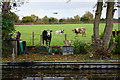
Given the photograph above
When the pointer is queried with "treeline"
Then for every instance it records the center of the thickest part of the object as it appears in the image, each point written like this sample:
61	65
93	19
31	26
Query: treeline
86	18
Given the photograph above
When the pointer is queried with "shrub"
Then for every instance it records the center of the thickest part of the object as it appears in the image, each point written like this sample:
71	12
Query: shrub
80	47
7	28
117	48
116	39
6	52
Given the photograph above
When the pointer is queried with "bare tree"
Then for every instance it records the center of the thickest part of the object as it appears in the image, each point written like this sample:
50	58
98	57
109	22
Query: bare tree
96	22
102	45
109	24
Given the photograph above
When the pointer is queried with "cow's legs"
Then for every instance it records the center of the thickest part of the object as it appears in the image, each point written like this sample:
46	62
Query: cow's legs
85	34
46	43
49	43
76	35
43	42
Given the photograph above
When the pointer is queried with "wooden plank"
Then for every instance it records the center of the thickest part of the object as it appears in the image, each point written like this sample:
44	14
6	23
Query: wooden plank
67	43
41	40
64	64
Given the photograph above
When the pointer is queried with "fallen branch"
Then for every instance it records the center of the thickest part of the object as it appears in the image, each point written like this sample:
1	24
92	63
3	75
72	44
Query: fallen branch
112	47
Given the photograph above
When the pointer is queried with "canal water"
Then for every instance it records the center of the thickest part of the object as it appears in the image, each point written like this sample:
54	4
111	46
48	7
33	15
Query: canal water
60	74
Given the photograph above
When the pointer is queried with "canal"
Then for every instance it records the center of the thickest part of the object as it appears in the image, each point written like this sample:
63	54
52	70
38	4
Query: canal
59	74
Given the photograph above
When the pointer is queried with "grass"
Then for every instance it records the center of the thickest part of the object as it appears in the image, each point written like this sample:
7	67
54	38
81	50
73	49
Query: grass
57	39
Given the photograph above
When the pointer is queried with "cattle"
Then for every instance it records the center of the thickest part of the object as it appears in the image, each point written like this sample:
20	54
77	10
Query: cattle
115	33
80	30
59	32
46	35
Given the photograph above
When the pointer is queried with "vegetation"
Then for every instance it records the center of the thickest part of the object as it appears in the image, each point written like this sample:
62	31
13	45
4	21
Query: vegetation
31	18
86	18
8	19
7	27
117	48
80	47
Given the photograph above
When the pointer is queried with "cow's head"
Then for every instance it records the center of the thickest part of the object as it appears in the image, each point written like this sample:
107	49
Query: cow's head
49	33
62	30
73	30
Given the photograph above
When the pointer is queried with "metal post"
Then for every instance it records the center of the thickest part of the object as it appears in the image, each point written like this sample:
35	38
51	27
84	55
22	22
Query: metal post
13	55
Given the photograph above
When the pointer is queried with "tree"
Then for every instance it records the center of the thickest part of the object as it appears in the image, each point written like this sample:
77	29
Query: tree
96	23
62	20
14	16
34	17
8	23
27	19
102	46
56	20
77	18
53	20
87	17
5	9
70	20
45	19
109	24
9	17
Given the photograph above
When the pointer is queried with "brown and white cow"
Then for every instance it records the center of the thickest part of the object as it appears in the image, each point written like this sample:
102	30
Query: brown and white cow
80	30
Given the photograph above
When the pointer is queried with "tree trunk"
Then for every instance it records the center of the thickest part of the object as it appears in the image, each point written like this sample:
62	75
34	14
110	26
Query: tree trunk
96	23
112	47
5	12
5	9
109	24
97	19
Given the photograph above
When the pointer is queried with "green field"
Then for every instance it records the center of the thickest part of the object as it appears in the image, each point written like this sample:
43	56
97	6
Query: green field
57	39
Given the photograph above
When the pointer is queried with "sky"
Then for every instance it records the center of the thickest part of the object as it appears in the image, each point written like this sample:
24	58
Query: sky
64	8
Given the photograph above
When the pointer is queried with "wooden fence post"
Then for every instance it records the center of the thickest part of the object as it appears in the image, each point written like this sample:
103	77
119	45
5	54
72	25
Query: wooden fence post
33	38
65	37
41	40
66	42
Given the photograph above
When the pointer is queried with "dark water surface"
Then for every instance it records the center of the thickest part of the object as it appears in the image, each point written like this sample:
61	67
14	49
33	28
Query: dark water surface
60	74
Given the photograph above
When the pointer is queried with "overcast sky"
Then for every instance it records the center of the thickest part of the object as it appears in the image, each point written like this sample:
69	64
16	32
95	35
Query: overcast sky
43	8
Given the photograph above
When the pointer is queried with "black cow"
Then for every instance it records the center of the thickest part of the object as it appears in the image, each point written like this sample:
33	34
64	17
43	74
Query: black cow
115	33
46	34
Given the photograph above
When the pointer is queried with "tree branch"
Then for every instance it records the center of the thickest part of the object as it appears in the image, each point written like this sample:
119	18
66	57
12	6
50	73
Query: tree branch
112	47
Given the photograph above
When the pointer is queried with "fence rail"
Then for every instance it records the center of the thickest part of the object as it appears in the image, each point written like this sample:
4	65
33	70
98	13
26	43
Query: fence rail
63	64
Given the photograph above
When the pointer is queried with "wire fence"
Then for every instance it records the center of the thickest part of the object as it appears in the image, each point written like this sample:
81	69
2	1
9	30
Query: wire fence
56	40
